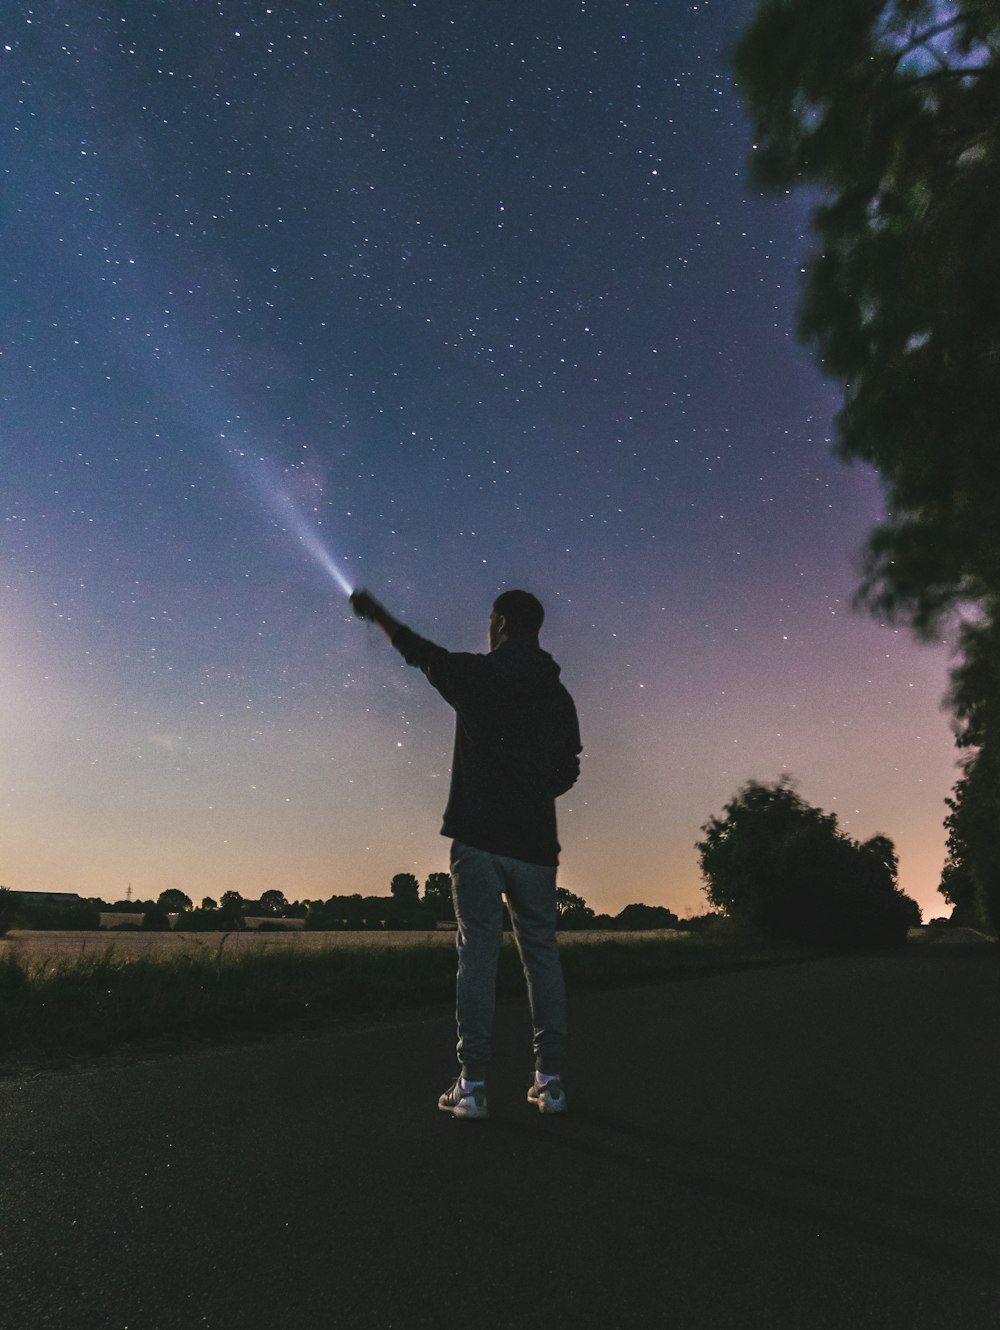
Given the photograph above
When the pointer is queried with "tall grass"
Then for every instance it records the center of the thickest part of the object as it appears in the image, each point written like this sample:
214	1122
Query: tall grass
103	1000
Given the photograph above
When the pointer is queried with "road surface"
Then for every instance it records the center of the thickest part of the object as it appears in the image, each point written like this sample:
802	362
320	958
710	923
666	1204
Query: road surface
805	1147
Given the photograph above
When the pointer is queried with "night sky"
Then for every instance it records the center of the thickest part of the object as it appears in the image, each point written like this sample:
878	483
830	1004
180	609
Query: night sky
479	292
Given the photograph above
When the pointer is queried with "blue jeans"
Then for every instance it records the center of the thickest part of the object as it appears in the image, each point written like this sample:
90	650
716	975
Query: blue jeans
478	880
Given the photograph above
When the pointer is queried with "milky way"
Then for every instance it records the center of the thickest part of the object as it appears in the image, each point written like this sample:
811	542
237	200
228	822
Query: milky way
483	291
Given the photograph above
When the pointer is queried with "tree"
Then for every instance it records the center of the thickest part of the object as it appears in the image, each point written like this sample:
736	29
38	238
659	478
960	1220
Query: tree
971	876
231	906
273	902
155	920
173	901
970	880
204	920
321	918
638	917
572	911
405	889
891	109
437	896
208	903
9	901
404	907
778	865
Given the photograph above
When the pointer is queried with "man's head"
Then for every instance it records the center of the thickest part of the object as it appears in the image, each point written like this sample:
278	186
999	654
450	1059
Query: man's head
517	615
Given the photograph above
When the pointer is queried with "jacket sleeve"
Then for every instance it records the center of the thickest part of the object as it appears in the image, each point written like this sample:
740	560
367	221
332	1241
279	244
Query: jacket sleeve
452	673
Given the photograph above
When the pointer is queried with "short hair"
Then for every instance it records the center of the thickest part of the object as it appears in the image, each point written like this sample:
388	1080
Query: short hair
521	609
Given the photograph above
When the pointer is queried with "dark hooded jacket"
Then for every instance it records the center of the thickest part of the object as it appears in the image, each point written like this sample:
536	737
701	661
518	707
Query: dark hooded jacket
517	744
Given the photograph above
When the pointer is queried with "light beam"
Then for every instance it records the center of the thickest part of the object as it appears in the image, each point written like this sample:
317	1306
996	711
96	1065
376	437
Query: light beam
276	498
307	535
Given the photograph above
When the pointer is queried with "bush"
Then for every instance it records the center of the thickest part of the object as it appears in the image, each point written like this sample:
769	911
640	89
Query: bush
638	917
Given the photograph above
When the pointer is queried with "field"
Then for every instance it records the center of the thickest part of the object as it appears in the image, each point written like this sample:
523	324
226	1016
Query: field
43	944
73	994
40	944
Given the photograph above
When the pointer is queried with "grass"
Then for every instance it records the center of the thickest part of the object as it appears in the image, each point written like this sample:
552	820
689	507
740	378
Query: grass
58	1007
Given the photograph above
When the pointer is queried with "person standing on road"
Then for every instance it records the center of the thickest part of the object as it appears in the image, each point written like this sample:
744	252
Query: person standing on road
517	747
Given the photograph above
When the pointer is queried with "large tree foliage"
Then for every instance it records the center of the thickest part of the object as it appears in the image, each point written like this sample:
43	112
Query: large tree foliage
776	864
890	111
971	877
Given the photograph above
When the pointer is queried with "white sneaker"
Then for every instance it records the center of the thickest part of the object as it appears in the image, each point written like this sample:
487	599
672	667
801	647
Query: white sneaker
549	1098
464	1103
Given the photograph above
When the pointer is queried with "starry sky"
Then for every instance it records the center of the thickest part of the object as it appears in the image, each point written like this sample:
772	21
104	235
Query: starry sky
449	296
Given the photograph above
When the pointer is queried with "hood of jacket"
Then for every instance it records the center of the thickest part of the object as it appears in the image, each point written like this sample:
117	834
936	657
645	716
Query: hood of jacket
524	669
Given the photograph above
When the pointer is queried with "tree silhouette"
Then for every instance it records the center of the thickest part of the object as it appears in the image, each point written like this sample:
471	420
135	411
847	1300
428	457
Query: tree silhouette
173	901
970	880
231	905
572	911
776	864
273	902
155	920
639	916
9	901
437	896
405	889
891	110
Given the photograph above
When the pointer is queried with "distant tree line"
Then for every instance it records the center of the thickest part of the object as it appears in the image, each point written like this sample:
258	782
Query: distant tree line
18	913
773	866
405	907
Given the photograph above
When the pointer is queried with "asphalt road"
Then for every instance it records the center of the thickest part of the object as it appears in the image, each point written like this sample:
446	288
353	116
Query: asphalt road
804	1147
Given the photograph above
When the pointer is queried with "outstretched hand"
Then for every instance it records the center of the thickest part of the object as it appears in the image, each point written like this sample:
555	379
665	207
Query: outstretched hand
364	605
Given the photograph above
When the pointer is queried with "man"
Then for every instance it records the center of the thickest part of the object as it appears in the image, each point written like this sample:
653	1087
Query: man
517	746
